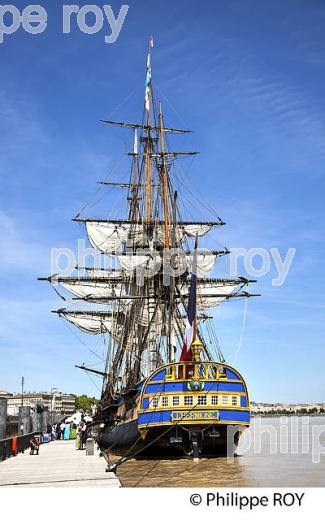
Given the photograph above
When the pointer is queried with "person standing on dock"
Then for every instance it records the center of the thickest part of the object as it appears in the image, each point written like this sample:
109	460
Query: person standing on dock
62	430
66	435
78	437
83	435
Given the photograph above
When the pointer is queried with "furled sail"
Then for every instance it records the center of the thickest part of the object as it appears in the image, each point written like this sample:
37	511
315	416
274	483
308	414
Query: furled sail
91	322
108	236
212	292
131	262
183	230
204	264
95	322
97	272
183	262
92	289
211	295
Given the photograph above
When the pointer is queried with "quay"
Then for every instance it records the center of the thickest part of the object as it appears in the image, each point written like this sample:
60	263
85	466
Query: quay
58	464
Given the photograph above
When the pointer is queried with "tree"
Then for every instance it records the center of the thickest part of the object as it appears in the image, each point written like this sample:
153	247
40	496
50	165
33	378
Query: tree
84	402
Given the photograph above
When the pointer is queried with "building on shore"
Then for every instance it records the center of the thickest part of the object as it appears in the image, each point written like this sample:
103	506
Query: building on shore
277	408
60	403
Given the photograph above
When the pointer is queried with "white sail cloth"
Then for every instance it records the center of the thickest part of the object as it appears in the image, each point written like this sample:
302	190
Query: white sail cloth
183	230
96	272
108	237
93	323
205	262
131	262
207	295
183	262
97	324
210	294
89	323
88	289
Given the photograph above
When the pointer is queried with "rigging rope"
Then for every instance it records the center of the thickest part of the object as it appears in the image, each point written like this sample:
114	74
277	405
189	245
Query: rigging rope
122	103
91	200
82	342
242	331
91	379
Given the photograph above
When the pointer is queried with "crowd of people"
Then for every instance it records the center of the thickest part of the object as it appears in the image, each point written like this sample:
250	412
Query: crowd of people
70	430
75	427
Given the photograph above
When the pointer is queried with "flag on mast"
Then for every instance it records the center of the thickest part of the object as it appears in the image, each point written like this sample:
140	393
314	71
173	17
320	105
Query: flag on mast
190	329
148	77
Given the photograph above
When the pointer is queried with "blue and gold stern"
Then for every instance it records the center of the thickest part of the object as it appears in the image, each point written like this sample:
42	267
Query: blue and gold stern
189	394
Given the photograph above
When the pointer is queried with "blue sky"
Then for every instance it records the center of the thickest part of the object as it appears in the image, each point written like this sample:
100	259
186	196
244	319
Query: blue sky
248	77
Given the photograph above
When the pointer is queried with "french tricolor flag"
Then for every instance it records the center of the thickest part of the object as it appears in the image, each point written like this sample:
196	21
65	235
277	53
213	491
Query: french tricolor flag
190	330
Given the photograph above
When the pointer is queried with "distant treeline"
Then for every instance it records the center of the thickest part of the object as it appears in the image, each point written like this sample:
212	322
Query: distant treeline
84	402
300	411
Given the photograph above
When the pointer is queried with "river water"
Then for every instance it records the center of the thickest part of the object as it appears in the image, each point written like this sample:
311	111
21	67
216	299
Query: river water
273	452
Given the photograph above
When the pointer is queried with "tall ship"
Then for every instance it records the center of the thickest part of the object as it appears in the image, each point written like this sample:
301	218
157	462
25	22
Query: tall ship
166	386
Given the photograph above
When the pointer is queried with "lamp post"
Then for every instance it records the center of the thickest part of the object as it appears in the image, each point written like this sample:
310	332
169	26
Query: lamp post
53	390
22	390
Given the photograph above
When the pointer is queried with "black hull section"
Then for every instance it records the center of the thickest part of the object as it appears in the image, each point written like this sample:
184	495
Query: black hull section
161	441
119	439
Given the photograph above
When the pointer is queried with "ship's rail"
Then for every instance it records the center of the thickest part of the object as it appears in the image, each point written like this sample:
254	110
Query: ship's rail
17	444
190	370
204	370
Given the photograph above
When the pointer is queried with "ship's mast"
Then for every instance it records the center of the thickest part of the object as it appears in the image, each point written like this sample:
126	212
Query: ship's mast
148	145
134	199
145	320
171	324
164	176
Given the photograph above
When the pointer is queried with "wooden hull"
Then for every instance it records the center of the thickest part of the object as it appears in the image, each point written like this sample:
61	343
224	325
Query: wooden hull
162	441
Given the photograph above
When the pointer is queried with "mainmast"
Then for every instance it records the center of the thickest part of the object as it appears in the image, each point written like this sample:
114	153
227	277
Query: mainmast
164	176
171	321
148	145
134	199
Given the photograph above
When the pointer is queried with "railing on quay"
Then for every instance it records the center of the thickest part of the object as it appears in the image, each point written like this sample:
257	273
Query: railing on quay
14	445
